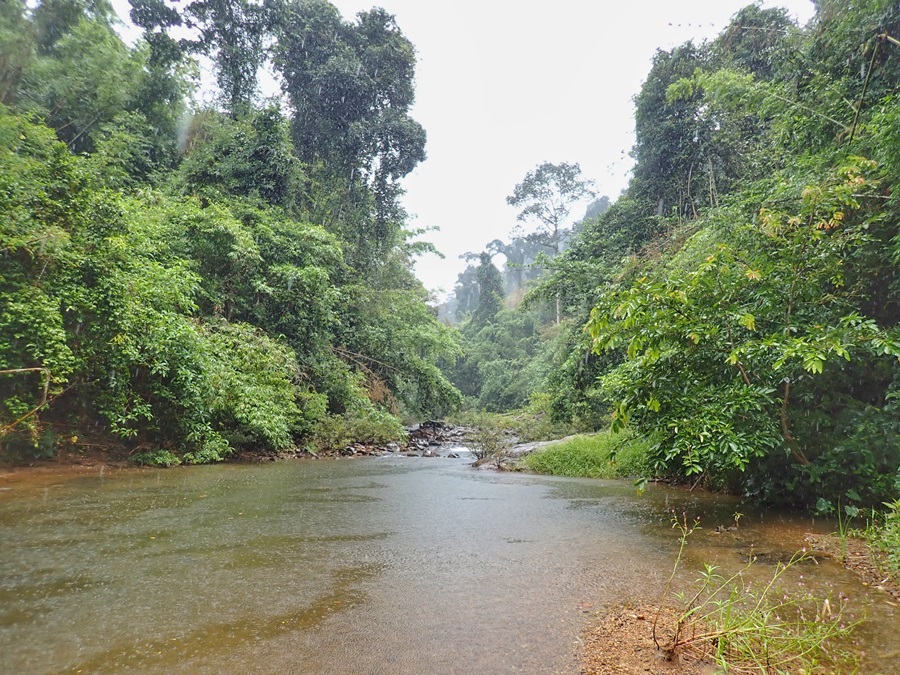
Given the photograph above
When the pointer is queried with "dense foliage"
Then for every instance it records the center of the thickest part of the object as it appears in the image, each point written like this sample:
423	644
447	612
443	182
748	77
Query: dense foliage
169	276
195	280
761	345
737	304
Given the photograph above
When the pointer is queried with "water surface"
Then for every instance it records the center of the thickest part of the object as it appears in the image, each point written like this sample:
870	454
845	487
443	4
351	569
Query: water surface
363	566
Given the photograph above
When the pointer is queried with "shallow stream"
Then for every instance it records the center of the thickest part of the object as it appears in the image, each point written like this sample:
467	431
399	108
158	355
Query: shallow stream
393	565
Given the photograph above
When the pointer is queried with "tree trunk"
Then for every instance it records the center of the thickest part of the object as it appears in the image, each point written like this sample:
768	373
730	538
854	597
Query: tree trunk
558	290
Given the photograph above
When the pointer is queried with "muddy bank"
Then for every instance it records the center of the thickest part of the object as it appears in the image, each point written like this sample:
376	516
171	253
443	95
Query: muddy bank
856	556
622	644
70	460
427	439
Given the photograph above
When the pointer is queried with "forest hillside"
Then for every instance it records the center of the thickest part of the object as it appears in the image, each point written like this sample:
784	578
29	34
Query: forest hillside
737	306
195	280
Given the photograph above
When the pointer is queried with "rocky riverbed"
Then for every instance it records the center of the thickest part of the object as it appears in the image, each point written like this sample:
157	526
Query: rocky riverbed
430	439
427	439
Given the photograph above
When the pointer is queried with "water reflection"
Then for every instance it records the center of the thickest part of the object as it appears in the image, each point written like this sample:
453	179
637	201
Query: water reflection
171	653
394	566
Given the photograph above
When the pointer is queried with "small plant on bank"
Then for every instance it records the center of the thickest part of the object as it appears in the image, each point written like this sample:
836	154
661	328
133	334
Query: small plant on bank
686	529
160	457
844	513
489	442
883	538
371	426
747	626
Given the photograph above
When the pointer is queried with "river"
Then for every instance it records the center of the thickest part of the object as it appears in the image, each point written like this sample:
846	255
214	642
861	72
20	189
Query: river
392	565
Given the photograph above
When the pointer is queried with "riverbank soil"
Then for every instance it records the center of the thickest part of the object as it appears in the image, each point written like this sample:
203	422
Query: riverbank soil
70	457
623	641
856	556
623	645
65	465
427	439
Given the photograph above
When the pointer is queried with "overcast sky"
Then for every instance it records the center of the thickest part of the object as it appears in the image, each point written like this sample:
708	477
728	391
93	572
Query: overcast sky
502	86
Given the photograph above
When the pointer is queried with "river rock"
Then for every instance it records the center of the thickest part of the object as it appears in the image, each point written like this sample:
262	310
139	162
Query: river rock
434	434
522	449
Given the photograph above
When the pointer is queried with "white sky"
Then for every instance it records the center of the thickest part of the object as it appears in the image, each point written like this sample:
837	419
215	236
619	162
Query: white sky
502	86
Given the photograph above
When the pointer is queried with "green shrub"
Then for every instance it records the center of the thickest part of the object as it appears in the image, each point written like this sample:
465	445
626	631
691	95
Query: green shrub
890	537
535	422
490	439
367	425
156	458
28	442
603	455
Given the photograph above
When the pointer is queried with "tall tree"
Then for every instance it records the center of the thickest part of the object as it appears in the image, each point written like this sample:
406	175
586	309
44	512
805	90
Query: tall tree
16	47
54	19
490	291
667	151
546	196
351	86
230	32
756	41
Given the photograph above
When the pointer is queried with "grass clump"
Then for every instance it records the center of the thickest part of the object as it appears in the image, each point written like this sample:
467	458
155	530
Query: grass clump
883	538
749	622
757	627
601	455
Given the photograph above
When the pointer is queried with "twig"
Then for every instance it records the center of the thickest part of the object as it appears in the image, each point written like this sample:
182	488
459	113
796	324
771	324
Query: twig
44	401
885	36
863	94
354	356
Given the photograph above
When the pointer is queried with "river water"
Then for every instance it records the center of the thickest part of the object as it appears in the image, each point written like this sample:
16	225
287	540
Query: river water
393	565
